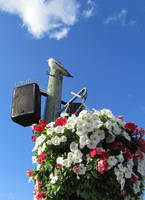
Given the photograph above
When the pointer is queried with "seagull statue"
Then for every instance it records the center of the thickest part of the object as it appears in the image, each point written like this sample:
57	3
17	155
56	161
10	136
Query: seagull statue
53	64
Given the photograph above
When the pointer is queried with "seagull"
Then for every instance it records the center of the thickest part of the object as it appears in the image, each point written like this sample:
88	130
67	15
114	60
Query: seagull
57	65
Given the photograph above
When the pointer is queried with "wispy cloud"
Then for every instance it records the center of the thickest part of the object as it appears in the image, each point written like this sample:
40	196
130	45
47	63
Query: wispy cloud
90	10
52	17
121	18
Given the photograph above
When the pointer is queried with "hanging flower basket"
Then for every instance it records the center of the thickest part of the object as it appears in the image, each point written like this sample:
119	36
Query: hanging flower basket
94	156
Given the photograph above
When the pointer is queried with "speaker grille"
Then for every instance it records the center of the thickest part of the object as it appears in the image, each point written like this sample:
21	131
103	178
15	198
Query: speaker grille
26	104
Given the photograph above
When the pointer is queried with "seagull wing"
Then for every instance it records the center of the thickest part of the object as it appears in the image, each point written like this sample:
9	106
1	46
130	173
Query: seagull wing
64	71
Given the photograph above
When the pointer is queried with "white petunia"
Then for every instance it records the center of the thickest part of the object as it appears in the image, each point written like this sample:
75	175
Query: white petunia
59	160
66	163
59	129
53	178
112	161
81	169
84	140
63	138
125	135
34	159
56	140
73	146
77	157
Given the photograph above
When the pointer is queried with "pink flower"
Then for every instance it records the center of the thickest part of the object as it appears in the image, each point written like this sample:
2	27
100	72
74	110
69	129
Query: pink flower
61	121
131	127
142	132
120	117
41	195
30	173
33	138
42	157
102	166
75	169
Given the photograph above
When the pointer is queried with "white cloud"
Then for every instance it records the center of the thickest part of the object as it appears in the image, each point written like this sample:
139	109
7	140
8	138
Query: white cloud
41	16
52	17
90	9
121	18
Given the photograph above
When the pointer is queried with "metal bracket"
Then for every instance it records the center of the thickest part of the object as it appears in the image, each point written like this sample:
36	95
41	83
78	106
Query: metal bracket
81	94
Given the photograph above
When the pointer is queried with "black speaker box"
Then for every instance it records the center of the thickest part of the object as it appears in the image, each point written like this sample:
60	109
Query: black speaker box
26	104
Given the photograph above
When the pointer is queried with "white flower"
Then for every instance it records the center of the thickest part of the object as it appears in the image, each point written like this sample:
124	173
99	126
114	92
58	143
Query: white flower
95	138
59	160
38	167
141	166
73	146
64	114
110	139
66	163
84	140
59	129
56	140
49	142
116	129
112	161
92	144
34	159
107	112
81	169
125	134
51	124
88	157
120	157
53	178
50	131
136	187
63	138
70	156
77	157
128	172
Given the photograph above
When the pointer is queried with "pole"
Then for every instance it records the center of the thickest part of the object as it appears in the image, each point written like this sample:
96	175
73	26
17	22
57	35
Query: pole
54	91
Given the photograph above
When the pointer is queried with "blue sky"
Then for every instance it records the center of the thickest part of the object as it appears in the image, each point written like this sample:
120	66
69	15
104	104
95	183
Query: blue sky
102	43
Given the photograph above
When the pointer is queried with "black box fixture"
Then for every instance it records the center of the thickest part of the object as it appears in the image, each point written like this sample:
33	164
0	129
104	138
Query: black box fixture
26	104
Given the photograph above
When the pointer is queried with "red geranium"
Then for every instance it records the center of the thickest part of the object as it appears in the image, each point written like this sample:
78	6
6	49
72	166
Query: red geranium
58	165
30	173
41	195
120	117
133	178
142	144
131	127
93	152
127	154
113	145
40	128
42	157
33	138
102	166
61	121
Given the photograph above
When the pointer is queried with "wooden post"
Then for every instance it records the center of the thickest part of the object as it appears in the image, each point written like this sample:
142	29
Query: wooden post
54	91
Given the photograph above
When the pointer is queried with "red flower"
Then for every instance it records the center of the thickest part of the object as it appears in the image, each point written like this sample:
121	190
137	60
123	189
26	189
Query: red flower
41	195
120	117
40	128
127	154
33	138
58	165
42	157
131	127
139	154
142	144
61	121
113	145
93	152
133	178
30	173
102	166
142	132
75	169
123	192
